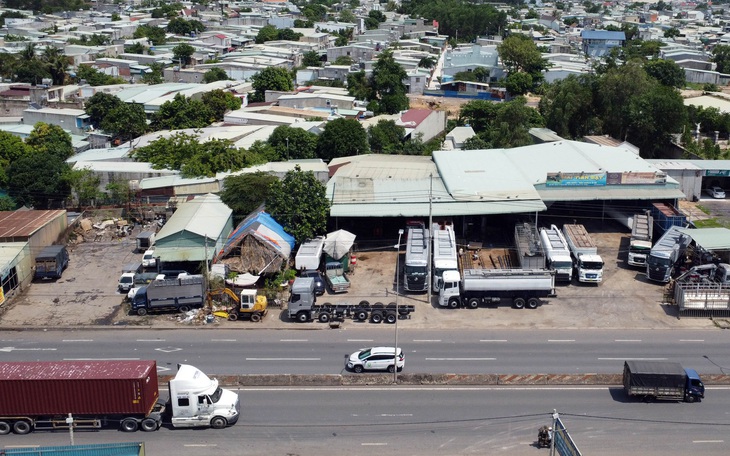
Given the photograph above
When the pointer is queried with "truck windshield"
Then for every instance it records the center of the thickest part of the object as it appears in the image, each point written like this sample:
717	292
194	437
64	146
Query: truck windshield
654	261
592	265
562	264
639	249
415	270
216	396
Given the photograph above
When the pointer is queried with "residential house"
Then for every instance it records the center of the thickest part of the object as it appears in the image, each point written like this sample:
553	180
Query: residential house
75	121
598	43
470	57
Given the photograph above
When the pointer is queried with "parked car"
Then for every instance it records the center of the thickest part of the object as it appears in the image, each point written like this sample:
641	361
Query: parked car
716	192
375	358
148	259
319	284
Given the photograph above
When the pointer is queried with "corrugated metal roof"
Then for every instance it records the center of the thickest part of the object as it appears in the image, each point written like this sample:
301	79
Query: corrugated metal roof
122	167
203	215
105	154
709	238
22	224
674	164
9	252
172	254
602	35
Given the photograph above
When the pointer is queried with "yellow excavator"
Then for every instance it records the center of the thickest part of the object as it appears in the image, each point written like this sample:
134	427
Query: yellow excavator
249	305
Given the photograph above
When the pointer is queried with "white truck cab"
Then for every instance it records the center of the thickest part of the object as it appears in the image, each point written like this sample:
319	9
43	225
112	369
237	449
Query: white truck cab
198	401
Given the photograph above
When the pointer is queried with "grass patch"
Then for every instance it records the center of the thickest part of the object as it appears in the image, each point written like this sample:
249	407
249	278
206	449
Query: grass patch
712	223
703	209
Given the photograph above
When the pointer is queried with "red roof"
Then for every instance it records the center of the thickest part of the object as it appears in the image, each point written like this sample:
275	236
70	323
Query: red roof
415	115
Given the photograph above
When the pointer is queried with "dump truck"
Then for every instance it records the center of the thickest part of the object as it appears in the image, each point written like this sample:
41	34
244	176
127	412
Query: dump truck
107	393
335	277
557	253
51	262
524	287
586	260
248	305
662	380
302	307
182	293
445	257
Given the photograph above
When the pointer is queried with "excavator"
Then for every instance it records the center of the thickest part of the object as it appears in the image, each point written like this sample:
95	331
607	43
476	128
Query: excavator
249	305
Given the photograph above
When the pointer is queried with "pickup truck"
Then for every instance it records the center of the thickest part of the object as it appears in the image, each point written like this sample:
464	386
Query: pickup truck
335	276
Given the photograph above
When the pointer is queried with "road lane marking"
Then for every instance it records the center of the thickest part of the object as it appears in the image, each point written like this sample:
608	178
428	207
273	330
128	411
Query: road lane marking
390	389
10	349
396	414
632	359
101	359
492	340
77	340
627	340
293	340
561	340
222	340
708	441
150	340
201	445
283	359
426	340
691	340
460	359
359	340
373	444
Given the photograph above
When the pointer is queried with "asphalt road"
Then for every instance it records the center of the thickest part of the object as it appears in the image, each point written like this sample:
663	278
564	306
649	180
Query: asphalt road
437	421
237	352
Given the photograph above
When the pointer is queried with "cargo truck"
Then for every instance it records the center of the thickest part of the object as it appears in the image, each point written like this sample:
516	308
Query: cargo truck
667	254
557	253
50	262
703	288
182	294
302	307
145	240
415	272
444	254
586	260
524	287
662	380
100	393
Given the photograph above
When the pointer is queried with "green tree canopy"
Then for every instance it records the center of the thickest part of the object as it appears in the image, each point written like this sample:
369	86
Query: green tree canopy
244	193
125	121
341	138
181	112
39	180
387	84
11	149
84	185
94	77
99	106
721	56
520	54
50	140
156	35
667	72
180	26
299	203
466	19
220	102
215	74
311	59
570	106
267	33
271	78
183	53
518	83
386	137
293	143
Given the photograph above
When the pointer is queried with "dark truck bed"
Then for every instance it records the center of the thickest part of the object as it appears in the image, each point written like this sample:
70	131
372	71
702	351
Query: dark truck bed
660	379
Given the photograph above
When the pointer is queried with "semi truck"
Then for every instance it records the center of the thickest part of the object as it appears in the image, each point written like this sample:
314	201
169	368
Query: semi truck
529	247
586	260
524	287
444	254
662	380
703	288
666	254
557	253
415	274
50	262
641	225
309	255
302	307
102	393
182	294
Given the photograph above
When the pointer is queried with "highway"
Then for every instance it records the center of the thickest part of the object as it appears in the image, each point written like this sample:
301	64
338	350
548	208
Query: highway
436	421
251	351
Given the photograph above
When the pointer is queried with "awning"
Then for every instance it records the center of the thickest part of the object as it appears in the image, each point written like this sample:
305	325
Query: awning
709	238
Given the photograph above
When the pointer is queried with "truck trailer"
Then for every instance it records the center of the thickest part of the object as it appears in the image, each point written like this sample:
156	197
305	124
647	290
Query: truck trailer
529	248
662	380
666	254
182	294
309	255
588	263
415	272
445	257
100	393
481	286
50	262
642	232
557	253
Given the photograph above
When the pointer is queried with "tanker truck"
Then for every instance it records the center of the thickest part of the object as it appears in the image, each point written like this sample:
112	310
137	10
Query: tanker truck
482	286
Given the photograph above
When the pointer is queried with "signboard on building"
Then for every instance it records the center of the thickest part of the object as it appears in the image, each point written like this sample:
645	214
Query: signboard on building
635	178
575	179
717	172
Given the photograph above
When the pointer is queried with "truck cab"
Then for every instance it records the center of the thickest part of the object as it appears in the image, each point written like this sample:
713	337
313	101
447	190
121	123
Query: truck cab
695	389
198	401
302	299
589	268
449	291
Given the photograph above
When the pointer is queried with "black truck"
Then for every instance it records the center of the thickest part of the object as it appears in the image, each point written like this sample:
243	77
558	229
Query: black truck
662	380
50	262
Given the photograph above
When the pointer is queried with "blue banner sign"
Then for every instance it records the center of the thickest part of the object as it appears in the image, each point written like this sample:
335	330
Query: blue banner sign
564	445
575	179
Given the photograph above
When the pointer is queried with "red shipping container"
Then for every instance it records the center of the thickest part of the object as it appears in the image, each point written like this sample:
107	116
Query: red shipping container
94	388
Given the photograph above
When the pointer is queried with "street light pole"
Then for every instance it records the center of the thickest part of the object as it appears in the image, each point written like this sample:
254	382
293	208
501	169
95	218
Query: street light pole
397	315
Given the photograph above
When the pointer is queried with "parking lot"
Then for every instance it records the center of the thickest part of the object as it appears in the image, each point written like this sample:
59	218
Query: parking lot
86	296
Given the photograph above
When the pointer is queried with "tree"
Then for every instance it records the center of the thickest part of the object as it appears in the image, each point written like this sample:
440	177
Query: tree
341	138
181	112
287	34
667	72
267	33
38	180
519	53
50	140
479	114
311	59
154	75
271	78
93	77
616	90
427	62
293	143
180	26
386	137
387	84
156	35
99	106
299	203
518	83
653	117
672	32
244	193
570	106
220	102
721	56
136	48
125	121
56	63
215	74
84	185
11	149
343	60
346	15
358	86
183	53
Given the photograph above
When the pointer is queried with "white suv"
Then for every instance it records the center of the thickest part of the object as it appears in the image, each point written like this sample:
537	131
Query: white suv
375	358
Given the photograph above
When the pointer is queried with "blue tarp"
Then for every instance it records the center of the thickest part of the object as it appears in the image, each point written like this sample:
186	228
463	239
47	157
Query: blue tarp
99	449
264	228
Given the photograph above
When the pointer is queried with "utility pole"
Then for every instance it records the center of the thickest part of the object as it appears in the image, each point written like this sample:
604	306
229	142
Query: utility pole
429	267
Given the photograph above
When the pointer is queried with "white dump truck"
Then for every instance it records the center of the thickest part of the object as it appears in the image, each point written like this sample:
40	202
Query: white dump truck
524	287
557	253
586	260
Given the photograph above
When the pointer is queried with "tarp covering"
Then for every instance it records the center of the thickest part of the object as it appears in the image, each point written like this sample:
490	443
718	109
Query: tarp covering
338	243
257	245
654	374
709	238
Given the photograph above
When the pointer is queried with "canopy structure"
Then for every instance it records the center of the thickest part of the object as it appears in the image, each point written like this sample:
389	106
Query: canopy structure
338	243
710	238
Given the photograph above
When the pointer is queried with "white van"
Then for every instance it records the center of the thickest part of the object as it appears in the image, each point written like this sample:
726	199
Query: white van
148	259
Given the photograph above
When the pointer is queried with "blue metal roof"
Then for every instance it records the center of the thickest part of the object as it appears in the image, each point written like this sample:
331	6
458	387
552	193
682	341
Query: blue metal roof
602	35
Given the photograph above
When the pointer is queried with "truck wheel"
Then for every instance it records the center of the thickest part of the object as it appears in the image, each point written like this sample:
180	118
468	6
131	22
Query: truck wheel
21	427
376	317
324	317
690	398
473	303
184	309
129	425
518	303
533	303
364	304
453	303
5	428
256	317
390	318
218	422
148	425
302	317
141	311
361	315
232	316
358	369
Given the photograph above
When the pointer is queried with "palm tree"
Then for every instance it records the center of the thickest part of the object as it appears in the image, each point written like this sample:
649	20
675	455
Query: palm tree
57	63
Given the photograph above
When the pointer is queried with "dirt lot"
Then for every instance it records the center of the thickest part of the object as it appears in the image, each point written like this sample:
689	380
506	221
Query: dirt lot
86	296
